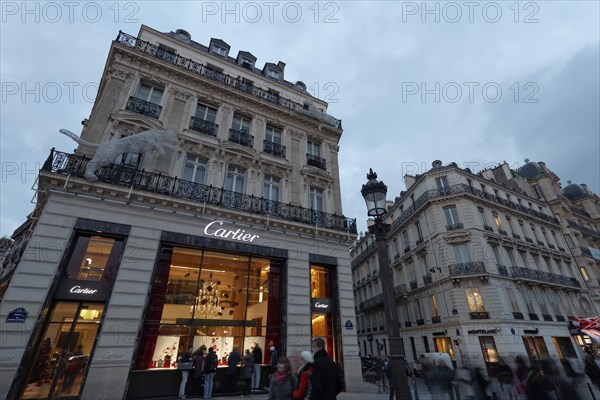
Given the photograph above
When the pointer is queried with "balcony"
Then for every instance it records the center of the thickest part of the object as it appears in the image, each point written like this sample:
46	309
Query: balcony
562	249
583	228
381	327
427	279
364	254
406	249
470	268
543	276
133	179
436	320
547	317
419	242
559	318
516	236
420	322
502	232
372	302
400	291
502	270
551	246
528	240
241	137
229	81
518	315
413	284
201	125
480	315
143	107
540	243
488	228
407	324
454	227
533	317
274	148
315	161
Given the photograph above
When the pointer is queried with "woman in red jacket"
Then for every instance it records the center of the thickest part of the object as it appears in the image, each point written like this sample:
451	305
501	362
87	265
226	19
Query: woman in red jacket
304	374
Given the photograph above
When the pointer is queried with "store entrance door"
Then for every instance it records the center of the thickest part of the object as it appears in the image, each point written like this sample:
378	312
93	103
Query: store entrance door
64	352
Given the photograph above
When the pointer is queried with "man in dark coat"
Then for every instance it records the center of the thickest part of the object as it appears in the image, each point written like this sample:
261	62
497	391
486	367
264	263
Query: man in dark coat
325	376
257	355
232	370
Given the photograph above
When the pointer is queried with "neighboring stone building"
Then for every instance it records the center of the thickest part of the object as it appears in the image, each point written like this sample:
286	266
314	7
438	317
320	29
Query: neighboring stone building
481	267
236	238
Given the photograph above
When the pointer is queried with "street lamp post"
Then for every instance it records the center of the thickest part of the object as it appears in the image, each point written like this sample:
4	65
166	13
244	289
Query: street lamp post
374	193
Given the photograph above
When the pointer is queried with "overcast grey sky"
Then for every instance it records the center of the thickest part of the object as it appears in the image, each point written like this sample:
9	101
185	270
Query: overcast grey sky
476	83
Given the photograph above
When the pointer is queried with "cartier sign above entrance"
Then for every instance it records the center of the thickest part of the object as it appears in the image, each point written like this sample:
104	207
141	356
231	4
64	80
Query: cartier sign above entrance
214	229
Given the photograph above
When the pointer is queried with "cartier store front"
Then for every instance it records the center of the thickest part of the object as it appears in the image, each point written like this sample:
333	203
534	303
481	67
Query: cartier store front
66	337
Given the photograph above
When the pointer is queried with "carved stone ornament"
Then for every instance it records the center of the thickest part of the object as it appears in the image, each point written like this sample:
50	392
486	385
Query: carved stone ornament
181	94
108	152
119	74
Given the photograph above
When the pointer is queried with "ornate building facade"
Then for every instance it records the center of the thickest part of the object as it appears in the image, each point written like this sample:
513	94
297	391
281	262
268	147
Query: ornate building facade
485	266
236	238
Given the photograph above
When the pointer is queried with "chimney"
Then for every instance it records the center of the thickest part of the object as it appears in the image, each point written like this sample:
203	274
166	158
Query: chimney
281	65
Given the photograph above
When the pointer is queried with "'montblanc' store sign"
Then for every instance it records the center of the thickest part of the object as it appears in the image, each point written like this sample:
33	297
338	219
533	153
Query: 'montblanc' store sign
212	229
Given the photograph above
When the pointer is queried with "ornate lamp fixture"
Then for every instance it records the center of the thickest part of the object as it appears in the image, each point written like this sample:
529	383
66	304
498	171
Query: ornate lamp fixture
207	303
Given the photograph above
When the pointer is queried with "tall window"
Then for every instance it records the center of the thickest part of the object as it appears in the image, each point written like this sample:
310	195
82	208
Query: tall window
434	306
451	214
497	220
541	301
206	113
235	179
482	216
441	182
510	224
510	295
461	253
195	169
271	73
511	255
533	231
488	348
95	258
241	124
149	93
474	300
219	50
271	188
418	229
527	299
584	273
273	135
313	148
315	199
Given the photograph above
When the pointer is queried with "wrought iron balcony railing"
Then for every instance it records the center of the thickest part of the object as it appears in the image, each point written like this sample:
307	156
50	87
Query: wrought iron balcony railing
315	161
75	165
201	125
502	270
547	317
480	315
533	317
407	324
364	254
528	239
400	291
436	320
224	79
518	315
540	243
583	228
406	249
488	228
241	137
516	236
543	276
413	284
143	107
465	189
420	321
502	232
427	279
559	318
469	268
454	226
274	148
372	302
419	241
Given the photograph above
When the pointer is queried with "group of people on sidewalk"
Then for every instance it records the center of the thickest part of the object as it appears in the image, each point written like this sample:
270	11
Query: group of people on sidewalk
318	378
530	379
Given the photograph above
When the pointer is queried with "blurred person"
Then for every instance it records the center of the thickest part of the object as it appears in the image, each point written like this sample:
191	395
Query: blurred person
246	372
445	377
199	369
258	359
326	383
304	375
283	381
232	370
210	369
187	357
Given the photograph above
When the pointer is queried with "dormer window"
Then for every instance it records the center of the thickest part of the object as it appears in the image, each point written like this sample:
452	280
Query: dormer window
246	63
219	50
271	73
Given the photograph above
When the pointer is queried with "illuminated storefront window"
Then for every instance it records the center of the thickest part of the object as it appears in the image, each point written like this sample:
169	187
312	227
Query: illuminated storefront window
322	306
210	298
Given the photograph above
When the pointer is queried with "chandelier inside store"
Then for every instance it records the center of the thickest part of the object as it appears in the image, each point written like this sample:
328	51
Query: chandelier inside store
207	303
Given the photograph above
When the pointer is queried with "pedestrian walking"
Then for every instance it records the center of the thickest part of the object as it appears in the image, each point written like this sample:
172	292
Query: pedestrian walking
273	358
283	381
304	374
445	378
326	378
